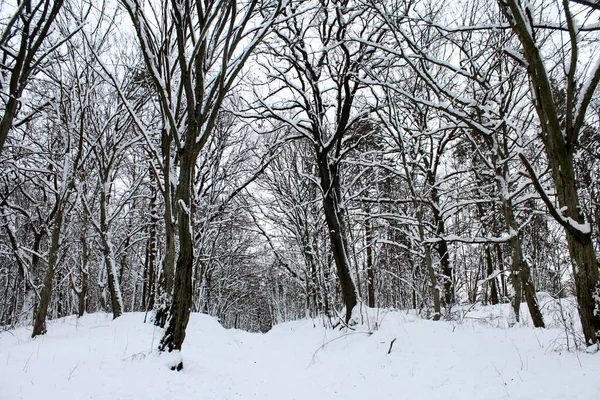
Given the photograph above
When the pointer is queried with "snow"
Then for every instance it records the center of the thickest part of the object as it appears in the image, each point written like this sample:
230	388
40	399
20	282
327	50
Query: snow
475	357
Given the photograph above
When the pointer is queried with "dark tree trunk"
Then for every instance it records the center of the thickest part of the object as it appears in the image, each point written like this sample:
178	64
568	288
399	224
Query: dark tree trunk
39	324
490	272
370	267
82	295
560	137
149	290
334	218
181	306
587	287
37	22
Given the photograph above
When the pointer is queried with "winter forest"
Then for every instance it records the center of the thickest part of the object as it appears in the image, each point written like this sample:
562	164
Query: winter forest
329	161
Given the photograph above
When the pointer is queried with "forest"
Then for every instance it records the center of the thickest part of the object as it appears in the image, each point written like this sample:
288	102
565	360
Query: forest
265	161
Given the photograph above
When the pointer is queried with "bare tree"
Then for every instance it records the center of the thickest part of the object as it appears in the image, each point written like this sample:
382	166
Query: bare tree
211	43
314	63
24	47
560	135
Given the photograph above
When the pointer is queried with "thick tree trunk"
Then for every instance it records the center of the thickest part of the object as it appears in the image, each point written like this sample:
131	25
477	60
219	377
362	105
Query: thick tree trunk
337	234
39	324
180	309
447	270
587	287
560	136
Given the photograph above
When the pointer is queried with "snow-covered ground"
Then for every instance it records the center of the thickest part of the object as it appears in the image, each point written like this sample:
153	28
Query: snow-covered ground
476	357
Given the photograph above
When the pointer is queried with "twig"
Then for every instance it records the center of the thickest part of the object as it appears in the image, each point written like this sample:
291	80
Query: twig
391	345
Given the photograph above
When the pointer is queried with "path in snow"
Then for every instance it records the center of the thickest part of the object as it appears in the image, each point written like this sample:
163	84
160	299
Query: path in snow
97	358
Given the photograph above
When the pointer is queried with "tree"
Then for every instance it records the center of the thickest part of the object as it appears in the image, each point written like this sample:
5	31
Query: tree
211	42
24	51
314	63
560	136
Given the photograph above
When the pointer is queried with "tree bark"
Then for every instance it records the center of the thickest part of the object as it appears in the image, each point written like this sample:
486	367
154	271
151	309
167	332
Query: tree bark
39	325
116	301
37	20
520	271
442	245
490	272
560	140
165	283
182	292
370	267
334	217
149	290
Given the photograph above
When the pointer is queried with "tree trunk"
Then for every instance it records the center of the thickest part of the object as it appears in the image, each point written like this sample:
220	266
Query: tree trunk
334	218
587	287
116	300
370	268
39	325
149	292
442	245
82	295
490	272
560	137
165	284
435	288
520	271
182	292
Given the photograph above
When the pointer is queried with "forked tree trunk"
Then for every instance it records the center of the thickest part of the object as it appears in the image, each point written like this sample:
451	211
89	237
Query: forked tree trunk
520	271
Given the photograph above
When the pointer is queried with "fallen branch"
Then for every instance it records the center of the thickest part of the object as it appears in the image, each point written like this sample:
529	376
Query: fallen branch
391	345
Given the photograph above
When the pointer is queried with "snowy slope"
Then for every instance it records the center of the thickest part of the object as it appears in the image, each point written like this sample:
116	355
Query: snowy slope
478	357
